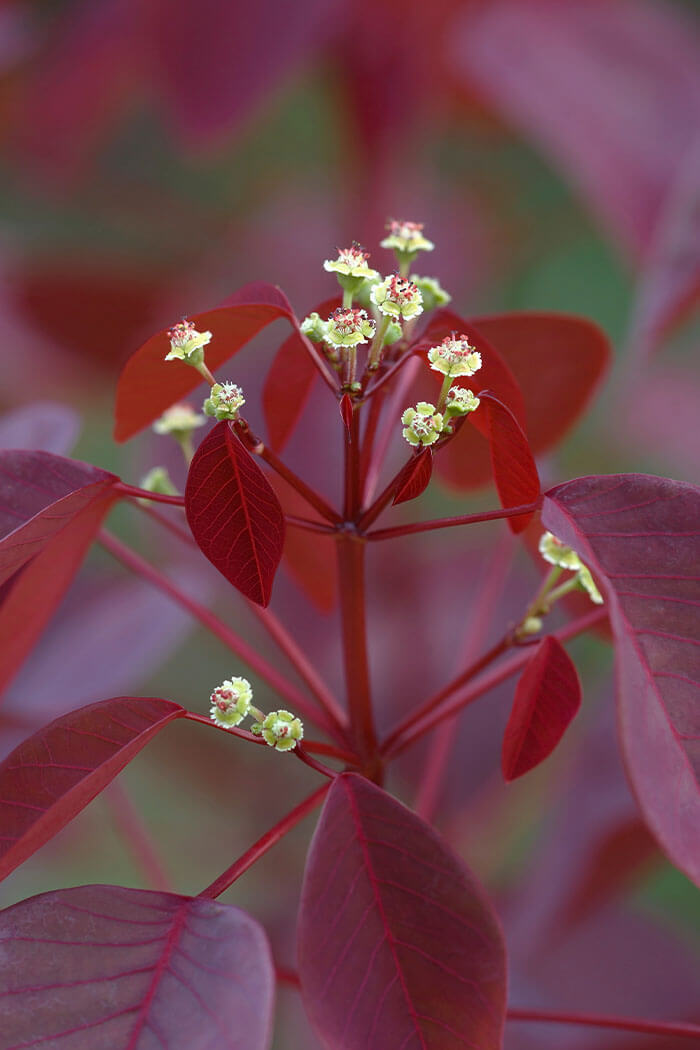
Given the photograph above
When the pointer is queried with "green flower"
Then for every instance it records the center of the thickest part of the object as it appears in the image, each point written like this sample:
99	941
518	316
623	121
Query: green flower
397	297
422	424
406	237
348	326
224	401
186	343
432	291
180	421
557	553
279	729
314	327
455	356
460	402
230	702
351	262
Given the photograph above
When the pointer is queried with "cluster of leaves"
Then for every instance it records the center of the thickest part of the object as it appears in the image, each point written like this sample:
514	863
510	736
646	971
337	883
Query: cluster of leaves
397	943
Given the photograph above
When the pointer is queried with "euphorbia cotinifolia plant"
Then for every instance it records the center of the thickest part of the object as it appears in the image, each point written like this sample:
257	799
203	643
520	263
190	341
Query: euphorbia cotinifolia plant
398	945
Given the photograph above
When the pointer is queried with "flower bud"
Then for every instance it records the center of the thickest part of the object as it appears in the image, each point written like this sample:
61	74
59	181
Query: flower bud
179	420
224	401
279	729
422	424
397	297
158	480
455	356
230	702
432	291
460	402
314	328
186	343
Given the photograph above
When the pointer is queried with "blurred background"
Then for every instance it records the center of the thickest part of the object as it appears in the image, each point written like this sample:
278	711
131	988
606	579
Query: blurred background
158	155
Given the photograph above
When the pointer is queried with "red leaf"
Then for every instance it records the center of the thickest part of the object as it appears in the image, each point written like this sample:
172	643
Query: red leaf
345	407
514	469
234	514
46	425
50	510
558	362
51	776
639	534
397	942
289	382
106	966
547	698
414	478
309	557
149	384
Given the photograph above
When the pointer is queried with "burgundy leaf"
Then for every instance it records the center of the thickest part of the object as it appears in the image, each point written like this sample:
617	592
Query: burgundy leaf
514	469
345	408
611	92
398	945
640	536
558	362
110	968
50	510
309	557
547	698
149	384
415	477
289	382
52	775
234	514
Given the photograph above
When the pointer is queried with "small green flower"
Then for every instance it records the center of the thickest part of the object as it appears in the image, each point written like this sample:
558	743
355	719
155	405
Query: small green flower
460	402
230	702
179	420
351	262
557	553
186	343
432	291
348	326
422	424
397	298
314	327
158	480
279	729
224	401
455	356
406	237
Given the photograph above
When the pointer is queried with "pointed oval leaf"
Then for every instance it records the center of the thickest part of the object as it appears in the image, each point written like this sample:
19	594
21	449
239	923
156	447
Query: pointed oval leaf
514	468
110	968
234	514
149	384
547	698
640	536
558	362
289	382
398	944
345	408
414	478
53	774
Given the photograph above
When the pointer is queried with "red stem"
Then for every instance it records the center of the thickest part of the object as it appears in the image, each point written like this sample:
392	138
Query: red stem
310	526
128	820
624	1024
266	842
301	753
157	497
394	402
166	523
411	729
391	372
373	512
286	976
351	575
237	645
242	734
319	747
448	523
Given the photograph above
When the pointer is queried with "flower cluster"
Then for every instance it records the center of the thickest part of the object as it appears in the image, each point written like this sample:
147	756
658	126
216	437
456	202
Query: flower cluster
186	343
279	729
422	424
231	702
348	326
455	356
406	237
557	553
224	401
397	297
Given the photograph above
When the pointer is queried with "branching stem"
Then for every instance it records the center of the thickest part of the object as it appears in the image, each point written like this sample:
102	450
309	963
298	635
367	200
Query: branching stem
623	1024
448	523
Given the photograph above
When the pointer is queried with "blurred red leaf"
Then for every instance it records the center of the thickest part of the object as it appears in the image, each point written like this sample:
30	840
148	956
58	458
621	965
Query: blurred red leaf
547	698
610	91
558	362
414	478
50	510
289	381
234	514
149	384
50	777
514	469
309	557
640	536
397	942
42	425
114	967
